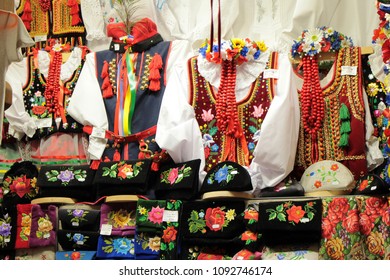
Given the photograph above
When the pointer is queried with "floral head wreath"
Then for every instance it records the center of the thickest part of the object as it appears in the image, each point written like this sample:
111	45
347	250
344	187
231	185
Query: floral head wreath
236	49
320	39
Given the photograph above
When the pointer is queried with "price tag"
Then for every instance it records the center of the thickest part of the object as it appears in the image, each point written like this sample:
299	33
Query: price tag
75	224
42	123
116	47
271	74
348	70
215	226
106	229
7	239
40	38
98	132
80	242
171	216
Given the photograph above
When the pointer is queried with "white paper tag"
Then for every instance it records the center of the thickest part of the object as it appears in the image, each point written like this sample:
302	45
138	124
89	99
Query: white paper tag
348	70
40	38
215	226
7	239
106	229
80	242
42	123
373	188
116	47
271	74
170	216
75	224
98	132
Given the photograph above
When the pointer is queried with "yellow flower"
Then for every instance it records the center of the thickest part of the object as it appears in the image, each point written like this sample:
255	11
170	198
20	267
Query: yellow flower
142	210
122	218
334	248
262	46
33	182
230	214
372	89
154	243
238	43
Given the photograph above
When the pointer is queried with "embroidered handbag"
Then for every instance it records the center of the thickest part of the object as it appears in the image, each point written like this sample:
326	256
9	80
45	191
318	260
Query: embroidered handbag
122	177
77	240
290	222
115	247
178	181
79	217
75	255
7	228
120	217
67	181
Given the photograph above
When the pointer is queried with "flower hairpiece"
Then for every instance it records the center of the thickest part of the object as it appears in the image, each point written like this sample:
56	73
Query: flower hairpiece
320	39
241	50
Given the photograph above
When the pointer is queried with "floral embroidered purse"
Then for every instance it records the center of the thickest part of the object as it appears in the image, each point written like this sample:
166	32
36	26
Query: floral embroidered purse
43	226
178	181
290	222
74	181
119	217
7	228
78	227
115	247
371	184
122	177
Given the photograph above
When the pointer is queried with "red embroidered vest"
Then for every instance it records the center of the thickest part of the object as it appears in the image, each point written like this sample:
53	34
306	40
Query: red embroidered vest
343	91
251	110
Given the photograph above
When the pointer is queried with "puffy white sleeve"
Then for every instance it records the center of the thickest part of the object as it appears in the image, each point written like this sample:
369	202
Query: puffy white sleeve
275	151
93	19
87	107
21	123
177	129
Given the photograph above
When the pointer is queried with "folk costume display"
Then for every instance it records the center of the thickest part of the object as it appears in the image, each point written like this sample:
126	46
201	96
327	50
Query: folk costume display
335	121
42	87
234	103
126	90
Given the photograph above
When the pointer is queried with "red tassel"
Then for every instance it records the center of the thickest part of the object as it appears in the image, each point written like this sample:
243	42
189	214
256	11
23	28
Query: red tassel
74	11
117	156
154	72
107	93
106	159
95	164
26	17
104	70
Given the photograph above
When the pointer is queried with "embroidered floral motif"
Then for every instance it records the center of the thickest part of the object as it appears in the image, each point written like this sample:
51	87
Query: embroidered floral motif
364	184
249	237
147	242
223	175
251	215
325	176
121	218
77	238
44	227
214	218
65	176
120	245
155	215
170	234
20	186
341	237
5	230
320	39
74	256
78	216
123	170
25	227
175	175
241	50
294	214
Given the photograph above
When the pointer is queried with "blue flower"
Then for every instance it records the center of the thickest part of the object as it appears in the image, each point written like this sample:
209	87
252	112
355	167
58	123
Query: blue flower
203	51
280	256
251	146
312	174
256	54
300	253
78	237
123	245
215	48
214	148
5	229
244	51
221	174
209	181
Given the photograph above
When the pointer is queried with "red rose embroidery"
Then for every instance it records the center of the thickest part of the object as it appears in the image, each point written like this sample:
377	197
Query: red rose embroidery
366	225
327	228
386	217
351	222
248	235
20	186
204	256
125	170
38	110
363	185
295	214
75	256
172	176
337	210
251	215
169	234
215	218
375	207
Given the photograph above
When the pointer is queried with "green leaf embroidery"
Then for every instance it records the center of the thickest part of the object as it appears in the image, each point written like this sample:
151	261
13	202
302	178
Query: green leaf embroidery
281	217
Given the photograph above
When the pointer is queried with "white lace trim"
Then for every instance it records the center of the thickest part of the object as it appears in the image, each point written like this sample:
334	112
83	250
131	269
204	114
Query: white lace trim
93	19
67	69
246	72
96	35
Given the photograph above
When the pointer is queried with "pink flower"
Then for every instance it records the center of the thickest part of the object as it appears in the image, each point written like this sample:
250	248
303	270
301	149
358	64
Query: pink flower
207	116
258	111
156	215
172	176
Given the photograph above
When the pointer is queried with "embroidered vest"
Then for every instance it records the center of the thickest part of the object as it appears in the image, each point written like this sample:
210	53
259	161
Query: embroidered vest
147	103
40	23
344	91
251	110
35	101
